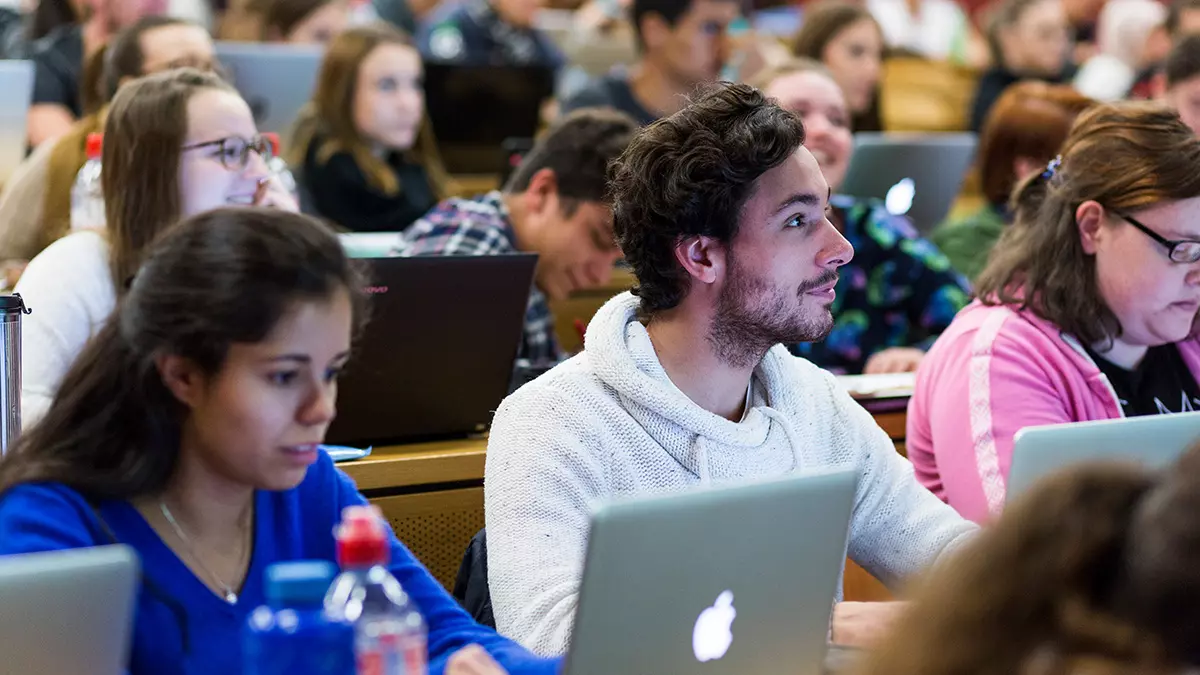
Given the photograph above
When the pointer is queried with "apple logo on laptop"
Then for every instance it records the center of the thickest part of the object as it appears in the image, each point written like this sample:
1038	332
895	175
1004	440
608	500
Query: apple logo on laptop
900	197
714	629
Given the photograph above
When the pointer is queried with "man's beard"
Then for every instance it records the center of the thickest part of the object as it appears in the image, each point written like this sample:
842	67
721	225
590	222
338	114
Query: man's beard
752	316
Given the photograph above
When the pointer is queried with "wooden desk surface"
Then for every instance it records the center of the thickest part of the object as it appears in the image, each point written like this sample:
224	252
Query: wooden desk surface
417	464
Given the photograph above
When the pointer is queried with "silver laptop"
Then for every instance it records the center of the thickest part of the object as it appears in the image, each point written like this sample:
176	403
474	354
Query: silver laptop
720	581
67	612
1153	441
916	175
16	80
276	80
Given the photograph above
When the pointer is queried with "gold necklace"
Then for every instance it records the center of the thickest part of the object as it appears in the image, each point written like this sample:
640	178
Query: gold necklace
230	596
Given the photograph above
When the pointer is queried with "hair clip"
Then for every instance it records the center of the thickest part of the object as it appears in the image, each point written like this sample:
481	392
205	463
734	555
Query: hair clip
1052	167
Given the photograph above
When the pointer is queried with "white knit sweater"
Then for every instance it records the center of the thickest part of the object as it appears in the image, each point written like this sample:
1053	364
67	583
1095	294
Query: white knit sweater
610	422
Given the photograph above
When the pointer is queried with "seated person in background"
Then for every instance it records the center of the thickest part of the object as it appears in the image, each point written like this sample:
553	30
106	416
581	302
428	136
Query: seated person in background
59	57
1182	20
553	205
898	293
683	43
721	213
1023	132
189	430
1029	39
175	144
490	33
1122	32
35	207
847	39
1086	311
363	147
302	21
1093	572
1182	74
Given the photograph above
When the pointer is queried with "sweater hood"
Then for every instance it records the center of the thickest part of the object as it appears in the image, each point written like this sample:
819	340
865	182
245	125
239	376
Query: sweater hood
621	355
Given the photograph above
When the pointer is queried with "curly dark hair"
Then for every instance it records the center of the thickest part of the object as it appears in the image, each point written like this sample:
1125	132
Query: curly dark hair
689	175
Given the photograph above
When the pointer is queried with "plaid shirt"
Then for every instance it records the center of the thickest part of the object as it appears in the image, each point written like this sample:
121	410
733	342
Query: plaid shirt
481	226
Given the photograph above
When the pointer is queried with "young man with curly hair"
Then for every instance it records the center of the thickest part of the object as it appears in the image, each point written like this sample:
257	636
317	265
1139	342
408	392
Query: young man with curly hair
722	215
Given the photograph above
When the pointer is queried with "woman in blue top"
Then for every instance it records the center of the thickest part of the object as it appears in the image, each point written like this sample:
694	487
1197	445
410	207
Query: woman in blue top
189	430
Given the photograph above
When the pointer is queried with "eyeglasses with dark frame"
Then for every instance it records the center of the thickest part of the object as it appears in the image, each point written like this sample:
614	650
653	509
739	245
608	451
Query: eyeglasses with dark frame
1180	251
234	151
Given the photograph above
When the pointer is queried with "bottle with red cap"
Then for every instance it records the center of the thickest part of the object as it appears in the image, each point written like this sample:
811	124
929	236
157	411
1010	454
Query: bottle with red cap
390	637
87	195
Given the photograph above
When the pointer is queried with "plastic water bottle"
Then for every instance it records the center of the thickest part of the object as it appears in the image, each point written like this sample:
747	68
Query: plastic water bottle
87	195
362	12
390	637
292	635
278	166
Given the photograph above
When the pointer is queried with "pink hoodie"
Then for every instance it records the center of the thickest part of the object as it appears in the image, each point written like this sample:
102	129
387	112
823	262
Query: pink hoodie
994	371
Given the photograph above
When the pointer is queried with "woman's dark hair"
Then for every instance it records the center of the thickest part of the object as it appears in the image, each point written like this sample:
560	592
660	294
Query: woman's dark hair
223	277
689	175
1125	156
1095	570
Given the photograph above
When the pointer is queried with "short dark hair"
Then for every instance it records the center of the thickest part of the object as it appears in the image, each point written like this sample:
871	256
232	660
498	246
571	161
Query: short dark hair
124	57
1175	11
671	11
1183	63
578	149
690	174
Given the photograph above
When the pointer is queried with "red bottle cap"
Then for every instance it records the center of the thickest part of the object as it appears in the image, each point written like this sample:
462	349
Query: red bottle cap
273	139
95	145
362	539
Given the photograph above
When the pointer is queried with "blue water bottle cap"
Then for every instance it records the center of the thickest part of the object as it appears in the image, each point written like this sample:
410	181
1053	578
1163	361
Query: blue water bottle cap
302	582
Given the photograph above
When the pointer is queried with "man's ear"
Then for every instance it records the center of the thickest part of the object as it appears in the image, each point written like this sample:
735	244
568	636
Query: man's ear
542	191
1089	218
181	377
703	258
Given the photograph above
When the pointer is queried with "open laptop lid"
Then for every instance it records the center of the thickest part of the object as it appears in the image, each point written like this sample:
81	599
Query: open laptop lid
436	358
1154	441
67	612
276	80
474	109
720	581
16	81
917	175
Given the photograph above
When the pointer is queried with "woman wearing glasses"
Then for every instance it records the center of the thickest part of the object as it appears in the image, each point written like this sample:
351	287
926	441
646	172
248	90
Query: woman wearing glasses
1087	308
175	144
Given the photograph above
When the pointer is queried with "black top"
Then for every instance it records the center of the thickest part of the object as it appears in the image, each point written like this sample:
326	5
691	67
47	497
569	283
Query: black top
57	67
995	81
472	34
1161	383
610	91
338	190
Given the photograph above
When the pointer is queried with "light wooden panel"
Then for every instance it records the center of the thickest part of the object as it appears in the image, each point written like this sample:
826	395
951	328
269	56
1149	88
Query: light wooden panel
436	526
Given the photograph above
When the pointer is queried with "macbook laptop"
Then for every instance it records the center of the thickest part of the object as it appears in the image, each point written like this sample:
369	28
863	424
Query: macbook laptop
276	80
16	78
718	581
916	175
474	109
437	357
1154	441
67	612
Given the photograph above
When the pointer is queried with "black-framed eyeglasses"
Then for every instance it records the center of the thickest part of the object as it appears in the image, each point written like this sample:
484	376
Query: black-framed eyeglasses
234	151
1180	251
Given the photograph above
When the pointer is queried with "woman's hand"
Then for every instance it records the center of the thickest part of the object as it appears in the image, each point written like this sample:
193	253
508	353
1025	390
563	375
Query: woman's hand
894	360
473	660
272	194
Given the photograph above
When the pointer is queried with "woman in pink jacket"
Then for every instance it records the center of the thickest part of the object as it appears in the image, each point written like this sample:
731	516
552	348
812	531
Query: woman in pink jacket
1087	309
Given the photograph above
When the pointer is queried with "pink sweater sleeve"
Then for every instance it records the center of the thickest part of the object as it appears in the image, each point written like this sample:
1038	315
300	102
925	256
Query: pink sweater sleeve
971	401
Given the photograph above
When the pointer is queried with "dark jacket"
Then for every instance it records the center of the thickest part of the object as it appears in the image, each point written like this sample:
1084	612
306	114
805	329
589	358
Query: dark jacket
338	191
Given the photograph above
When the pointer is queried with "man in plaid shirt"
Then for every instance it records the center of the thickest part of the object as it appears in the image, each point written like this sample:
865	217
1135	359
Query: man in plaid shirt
553	205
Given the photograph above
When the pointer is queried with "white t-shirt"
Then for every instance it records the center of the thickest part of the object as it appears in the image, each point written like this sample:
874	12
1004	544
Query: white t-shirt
70	291
937	31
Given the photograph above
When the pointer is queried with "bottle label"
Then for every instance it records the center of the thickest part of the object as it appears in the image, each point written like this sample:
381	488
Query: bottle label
389	654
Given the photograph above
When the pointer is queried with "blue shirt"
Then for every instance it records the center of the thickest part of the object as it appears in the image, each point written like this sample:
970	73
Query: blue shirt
181	626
